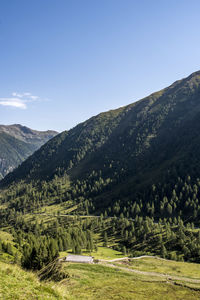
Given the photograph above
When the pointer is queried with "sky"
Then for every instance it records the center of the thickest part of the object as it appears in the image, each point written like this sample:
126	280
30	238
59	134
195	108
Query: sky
64	61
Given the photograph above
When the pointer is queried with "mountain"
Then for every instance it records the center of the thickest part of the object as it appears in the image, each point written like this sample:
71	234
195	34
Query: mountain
128	160
127	179
17	142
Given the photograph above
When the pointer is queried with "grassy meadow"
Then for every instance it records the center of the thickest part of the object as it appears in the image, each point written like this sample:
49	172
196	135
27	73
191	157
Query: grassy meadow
171	267
16	283
101	253
101	282
89	282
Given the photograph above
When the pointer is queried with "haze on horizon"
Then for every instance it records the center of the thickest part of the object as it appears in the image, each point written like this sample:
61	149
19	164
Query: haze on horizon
65	61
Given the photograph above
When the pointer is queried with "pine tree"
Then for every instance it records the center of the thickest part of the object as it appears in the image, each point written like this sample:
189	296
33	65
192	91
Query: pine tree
163	251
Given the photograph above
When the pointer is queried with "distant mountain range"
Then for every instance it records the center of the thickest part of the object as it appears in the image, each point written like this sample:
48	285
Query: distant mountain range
17	142
134	154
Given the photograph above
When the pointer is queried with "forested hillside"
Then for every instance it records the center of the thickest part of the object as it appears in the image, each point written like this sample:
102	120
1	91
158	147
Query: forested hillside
137	158
135	168
17	142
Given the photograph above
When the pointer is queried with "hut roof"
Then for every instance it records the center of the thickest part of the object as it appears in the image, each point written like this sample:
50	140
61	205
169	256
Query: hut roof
79	258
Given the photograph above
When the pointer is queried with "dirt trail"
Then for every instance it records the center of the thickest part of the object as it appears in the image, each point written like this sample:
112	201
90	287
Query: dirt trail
152	274
131	258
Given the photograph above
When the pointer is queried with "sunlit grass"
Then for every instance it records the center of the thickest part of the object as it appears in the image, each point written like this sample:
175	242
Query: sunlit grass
6	236
100	282
18	284
170	267
101	253
90	282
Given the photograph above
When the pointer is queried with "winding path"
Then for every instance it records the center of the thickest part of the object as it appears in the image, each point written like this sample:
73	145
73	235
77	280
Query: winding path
169	277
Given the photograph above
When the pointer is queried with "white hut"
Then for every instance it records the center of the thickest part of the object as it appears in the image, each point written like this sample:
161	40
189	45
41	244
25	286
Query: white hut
79	259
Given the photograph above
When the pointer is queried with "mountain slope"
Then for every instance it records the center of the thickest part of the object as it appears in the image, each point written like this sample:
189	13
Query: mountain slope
113	159
17	143
126	138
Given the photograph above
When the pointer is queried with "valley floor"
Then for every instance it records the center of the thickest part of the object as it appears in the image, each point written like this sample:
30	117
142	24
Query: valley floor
107	280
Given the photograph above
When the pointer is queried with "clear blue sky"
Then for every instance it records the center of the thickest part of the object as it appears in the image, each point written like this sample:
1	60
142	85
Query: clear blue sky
63	61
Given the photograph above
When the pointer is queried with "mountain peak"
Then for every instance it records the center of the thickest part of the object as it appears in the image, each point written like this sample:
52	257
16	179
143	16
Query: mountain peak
122	137
17	142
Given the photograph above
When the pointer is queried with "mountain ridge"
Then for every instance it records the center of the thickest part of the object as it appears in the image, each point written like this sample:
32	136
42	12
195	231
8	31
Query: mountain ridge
117	156
25	133
17	142
136	112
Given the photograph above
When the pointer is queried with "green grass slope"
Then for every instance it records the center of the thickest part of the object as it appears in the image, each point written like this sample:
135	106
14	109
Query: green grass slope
92	282
16	283
100	282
